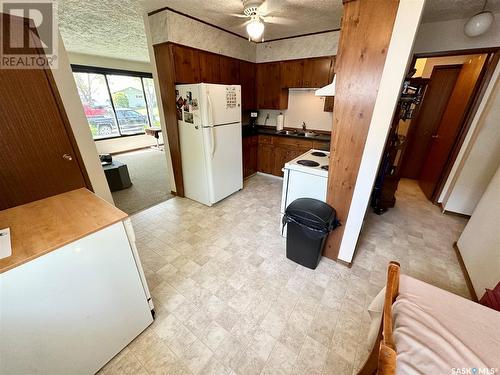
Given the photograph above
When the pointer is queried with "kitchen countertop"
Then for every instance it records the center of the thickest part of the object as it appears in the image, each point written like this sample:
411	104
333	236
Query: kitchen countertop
247	131
39	227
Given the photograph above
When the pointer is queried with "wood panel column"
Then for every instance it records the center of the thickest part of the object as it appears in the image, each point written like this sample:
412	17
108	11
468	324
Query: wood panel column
364	39
166	76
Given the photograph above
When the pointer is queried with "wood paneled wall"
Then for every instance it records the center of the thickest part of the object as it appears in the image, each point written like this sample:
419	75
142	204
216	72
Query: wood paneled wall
366	32
166	76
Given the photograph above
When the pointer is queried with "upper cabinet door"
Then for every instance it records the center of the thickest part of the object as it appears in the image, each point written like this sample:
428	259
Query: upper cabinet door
247	81
332	69
317	71
270	92
292	73
187	65
229	71
329	100
209	67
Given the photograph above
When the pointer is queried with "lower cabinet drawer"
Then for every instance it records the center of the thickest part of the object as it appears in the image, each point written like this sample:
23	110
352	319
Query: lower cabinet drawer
293	142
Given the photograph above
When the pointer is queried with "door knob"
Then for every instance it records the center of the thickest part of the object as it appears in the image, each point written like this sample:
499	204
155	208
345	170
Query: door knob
435	136
67	157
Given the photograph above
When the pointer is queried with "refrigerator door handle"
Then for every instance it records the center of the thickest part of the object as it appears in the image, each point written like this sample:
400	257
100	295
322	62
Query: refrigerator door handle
211	126
210	113
212	141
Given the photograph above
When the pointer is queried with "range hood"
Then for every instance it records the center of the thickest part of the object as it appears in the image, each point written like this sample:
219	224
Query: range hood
328	90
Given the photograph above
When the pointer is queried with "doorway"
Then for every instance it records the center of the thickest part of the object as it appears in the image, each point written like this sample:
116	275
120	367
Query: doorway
458	85
439	98
123	117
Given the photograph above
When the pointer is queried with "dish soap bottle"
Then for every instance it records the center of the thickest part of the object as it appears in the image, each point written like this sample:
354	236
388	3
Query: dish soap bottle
279	122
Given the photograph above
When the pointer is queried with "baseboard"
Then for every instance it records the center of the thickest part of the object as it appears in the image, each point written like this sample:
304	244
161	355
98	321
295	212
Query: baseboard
247	177
344	263
269	175
468	281
455	214
134	149
174	193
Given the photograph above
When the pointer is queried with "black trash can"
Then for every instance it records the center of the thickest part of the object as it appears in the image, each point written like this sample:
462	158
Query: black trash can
308	223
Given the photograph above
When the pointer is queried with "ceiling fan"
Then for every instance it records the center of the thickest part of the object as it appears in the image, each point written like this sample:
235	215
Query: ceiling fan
259	13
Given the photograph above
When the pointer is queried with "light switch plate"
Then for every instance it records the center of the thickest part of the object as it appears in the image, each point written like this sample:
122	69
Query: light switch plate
5	246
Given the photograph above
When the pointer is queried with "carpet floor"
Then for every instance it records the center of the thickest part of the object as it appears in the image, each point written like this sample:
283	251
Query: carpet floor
150	183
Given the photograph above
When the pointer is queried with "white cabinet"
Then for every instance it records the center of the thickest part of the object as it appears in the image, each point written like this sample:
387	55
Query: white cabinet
70	311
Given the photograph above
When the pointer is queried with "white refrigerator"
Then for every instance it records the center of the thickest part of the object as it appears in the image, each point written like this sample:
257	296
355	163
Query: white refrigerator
209	120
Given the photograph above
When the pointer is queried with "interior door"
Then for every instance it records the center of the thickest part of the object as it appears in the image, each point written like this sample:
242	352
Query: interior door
37	157
437	94
450	125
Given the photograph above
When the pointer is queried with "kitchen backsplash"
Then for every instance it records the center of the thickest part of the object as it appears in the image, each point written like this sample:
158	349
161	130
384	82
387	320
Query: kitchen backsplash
302	106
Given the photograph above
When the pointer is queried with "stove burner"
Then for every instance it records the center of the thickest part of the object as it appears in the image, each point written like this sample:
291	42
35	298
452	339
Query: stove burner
318	153
308	163
325	167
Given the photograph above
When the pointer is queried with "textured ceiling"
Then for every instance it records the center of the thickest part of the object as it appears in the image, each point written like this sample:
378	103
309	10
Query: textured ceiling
110	28
114	28
301	16
441	10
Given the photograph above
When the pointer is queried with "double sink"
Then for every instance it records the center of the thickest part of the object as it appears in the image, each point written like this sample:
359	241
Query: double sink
308	134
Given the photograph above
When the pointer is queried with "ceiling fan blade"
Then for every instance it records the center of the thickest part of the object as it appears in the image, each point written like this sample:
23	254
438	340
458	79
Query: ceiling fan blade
271	6
278	20
264	8
238	15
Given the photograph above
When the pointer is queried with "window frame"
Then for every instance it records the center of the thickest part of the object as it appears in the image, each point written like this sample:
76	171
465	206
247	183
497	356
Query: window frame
76	68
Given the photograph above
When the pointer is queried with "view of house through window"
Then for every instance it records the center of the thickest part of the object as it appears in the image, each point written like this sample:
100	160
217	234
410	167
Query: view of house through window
117	104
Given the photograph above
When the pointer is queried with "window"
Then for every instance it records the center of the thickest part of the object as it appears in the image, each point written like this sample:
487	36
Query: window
153	112
116	103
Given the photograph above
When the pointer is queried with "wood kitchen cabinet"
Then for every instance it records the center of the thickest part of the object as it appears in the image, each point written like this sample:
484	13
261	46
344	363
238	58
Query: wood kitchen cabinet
270	92
282	155
263	85
292	73
229	71
307	73
247	81
321	145
286	149
187	64
250	145
329	100
209	67
317	71
265	154
274	151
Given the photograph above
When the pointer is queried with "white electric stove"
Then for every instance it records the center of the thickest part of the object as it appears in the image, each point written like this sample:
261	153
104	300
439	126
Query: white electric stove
306	176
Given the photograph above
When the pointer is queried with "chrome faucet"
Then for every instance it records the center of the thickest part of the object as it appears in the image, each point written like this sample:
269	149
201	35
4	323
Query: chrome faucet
304	126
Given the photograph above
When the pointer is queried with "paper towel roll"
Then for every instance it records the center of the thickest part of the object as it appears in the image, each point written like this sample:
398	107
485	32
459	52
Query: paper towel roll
279	122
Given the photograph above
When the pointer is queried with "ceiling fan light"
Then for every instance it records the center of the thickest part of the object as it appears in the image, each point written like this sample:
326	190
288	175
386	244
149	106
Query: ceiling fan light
255	28
478	24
